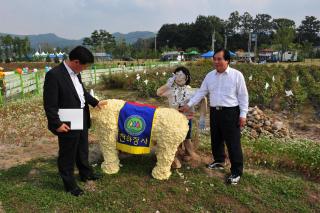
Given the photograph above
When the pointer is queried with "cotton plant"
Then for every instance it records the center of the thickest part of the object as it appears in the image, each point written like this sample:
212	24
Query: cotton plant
266	86
138	77
289	93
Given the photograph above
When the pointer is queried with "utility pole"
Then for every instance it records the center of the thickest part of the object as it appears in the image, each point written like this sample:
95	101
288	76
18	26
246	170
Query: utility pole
213	39
225	39
256	47
226	23
155	44
249	46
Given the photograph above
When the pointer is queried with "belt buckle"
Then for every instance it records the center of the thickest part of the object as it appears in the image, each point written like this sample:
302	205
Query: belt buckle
218	108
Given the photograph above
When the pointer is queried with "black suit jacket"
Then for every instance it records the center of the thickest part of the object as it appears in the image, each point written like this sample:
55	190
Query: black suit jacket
59	92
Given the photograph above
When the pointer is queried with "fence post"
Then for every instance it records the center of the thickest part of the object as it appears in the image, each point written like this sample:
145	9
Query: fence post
95	74
36	76
1	98
21	85
91	77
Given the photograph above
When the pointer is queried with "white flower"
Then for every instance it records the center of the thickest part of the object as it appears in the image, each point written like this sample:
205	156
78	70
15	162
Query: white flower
157	73
298	78
289	93
273	79
250	78
266	86
35	70
138	77
145	71
126	75
146	81
164	73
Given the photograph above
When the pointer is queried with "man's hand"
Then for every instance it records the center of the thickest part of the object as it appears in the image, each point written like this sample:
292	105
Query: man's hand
242	122
63	128
185	108
102	103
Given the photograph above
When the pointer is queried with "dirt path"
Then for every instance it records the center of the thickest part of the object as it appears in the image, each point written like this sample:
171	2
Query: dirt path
13	155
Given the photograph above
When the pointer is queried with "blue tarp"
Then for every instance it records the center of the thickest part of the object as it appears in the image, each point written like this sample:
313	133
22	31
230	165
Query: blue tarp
209	54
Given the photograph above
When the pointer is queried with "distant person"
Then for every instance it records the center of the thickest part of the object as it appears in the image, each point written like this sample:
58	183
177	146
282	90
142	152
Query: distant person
228	109
63	89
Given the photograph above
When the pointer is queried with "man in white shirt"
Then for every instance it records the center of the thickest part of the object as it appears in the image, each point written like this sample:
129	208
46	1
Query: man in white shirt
228	97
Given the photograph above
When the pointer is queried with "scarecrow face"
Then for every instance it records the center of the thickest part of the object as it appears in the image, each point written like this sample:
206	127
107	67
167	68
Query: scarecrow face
181	78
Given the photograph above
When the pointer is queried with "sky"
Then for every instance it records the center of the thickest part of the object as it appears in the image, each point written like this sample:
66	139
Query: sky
75	19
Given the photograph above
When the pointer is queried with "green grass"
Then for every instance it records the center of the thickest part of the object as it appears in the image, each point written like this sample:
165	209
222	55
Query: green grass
280	176
302	156
262	189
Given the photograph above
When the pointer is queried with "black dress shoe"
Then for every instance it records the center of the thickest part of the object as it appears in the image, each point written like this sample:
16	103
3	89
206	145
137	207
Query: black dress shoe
76	192
90	177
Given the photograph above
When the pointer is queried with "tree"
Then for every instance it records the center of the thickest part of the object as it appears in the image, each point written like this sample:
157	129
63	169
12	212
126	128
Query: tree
309	29
306	49
284	37
100	41
17	50
262	24
7	42
25	47
283	23
246	22
233	23
202	31
121	49
168	35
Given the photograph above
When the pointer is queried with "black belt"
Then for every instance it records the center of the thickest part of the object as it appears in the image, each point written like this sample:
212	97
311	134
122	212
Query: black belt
219	108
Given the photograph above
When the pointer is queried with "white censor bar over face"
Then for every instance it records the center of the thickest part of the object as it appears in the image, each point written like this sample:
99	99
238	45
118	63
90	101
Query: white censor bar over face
72	116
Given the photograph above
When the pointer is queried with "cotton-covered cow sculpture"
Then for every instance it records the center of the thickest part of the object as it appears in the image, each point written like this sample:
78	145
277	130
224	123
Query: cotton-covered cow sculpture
169	129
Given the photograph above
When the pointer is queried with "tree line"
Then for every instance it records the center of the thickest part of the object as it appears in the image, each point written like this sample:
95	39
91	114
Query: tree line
232	33
14	48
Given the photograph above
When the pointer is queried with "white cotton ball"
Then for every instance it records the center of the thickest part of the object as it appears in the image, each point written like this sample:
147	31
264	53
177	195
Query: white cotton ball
289	93
266	86
168	132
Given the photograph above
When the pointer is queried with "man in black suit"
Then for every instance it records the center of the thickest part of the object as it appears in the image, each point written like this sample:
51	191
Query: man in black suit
63	89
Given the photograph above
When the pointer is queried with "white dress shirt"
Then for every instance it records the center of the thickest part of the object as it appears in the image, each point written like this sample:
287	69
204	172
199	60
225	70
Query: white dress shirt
77	85
227	89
